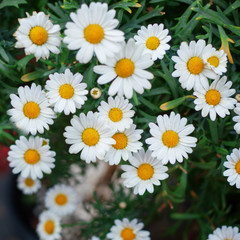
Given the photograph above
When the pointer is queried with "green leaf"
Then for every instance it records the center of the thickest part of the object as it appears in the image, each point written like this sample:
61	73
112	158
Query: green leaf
185	216
31	76
24	61
4	54
12	3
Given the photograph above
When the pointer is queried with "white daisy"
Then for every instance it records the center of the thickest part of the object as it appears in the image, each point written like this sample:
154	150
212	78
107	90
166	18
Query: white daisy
225	233
38	35
95	238
116	113
95	93
126	143
61	199
215	99
49	227
66	92
31	111
237	118
89	135
31	158
190	67
145	172
93	31
28	185
126	70
128	230
170	140
154	39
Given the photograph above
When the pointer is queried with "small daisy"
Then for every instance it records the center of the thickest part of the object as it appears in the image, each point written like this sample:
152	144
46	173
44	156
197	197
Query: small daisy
225	233
31	158
28	185
116	113
66	92
126	70
190	67
237	118
38	35
145	172
154	39
170	140
128	230
90	136
95	238
95	93
93	31
49	227
31	110
61	199
126	143
215	99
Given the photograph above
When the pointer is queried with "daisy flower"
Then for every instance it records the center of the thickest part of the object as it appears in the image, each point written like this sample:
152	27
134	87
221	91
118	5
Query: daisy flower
215	99
170	141
117	113
61	199
237	118
126	143
66	92
93	31
126	70
95	238
31	158
144	172
28	185
90	136
190	66
49	227
95	93
31	110
128	230
154	39
37	35
225	233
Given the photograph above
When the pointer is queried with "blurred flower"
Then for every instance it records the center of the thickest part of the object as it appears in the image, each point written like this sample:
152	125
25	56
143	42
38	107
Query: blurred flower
225	233
28	185
237	118
95	93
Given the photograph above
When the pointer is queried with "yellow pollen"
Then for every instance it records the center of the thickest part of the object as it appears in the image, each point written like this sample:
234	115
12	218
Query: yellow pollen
90	136
31	110
49	227
38	35
124	68
214	61
145	171
121	140
66	91
31	156
115	114
195	65
29	182
213	97
94	33
170	139
152	43
94	92
128	234
237	167
61	199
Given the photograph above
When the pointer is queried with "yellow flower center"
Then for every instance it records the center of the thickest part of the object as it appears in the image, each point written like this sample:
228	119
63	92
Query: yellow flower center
170	139
237	167
94	33
115	114
152	43
124	68
213	97
31	156
145	171
90	136
61	199
49	227
121	140
38	35
214	61
195	65
95	92
66	91
31	110
128	234
29	182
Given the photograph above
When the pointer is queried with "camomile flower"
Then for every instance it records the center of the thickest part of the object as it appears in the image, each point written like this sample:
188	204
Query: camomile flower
31	158
237	118
95	238
154	39
190	66
215	99
128	230
38	36
95	92
225	233
31	110
126	70
61	199
28	185
93	31
126	143
49	227
66	91
89	135
117	113
144	172
170	141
